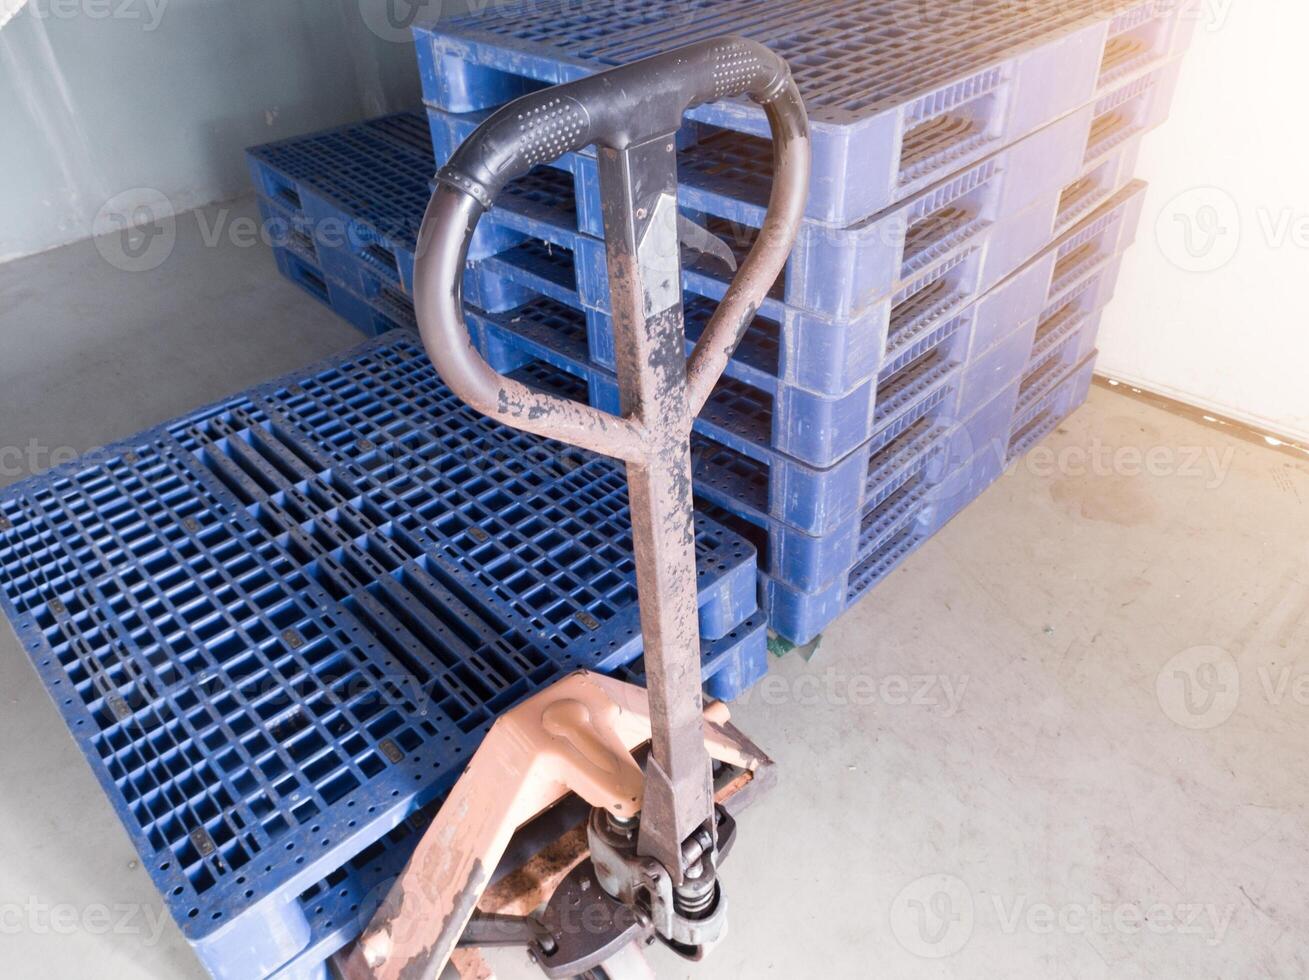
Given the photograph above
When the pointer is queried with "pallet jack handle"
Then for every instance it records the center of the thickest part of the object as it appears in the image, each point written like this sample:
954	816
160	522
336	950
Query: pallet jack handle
632	115
618	110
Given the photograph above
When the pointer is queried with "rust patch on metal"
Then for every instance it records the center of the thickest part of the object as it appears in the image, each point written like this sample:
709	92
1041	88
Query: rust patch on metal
531	886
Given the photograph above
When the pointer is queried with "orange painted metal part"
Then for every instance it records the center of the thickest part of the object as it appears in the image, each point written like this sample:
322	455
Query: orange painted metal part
577	736
529	886
470	965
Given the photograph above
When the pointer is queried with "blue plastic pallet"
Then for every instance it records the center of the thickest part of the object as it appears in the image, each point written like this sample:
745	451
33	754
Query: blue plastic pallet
1063	343
541	208
370	303
528	246
823	430
362	189
840	272
806	425
337	159
756	417
370	319
922	384
819	429
830	358
285	227
801	616
901	452
997	376
1032	425
898	94
743	471
917	454
1035	359
737	417
1008	360
904	516
1059	356
280	625
994	213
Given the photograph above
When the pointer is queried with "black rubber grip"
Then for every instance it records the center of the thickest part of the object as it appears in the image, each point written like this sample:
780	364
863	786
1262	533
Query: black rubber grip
618	107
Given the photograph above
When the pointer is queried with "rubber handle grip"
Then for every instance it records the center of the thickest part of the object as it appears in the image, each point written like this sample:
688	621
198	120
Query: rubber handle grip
617	107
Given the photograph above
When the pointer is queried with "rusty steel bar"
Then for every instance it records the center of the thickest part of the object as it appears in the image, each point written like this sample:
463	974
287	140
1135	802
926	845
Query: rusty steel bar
767	258
438	305
631	113
638	186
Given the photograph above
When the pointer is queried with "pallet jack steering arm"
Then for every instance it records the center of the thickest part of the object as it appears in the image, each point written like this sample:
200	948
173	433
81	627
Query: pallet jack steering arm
588	728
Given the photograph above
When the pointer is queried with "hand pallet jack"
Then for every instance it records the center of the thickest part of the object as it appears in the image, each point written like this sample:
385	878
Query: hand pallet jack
647	865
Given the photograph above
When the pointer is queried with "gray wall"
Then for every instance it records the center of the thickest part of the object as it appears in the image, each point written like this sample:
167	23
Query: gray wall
106	100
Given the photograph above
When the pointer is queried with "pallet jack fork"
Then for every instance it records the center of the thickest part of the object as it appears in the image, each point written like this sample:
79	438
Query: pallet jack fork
656	833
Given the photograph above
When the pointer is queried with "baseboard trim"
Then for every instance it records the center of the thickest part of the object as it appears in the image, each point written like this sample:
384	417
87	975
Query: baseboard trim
1240	428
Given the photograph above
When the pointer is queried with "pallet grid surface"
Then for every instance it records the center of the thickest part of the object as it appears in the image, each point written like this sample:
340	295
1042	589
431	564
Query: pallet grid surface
280	625
900	92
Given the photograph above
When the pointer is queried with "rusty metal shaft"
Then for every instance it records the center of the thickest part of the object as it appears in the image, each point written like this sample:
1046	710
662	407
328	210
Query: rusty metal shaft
638	186
631	114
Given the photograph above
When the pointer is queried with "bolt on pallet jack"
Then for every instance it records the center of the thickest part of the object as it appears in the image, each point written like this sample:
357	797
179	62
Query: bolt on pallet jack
656	832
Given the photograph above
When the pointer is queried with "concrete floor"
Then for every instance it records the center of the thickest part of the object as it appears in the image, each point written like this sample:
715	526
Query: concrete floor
1065	739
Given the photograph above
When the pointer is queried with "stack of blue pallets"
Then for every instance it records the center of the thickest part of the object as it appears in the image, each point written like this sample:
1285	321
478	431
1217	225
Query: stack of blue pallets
971	199
279	627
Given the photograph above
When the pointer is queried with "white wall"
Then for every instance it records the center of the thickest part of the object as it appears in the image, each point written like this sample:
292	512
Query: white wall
124	100
1221	320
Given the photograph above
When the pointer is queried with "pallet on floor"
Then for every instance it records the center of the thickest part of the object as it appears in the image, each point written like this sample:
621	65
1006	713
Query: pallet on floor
280	625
